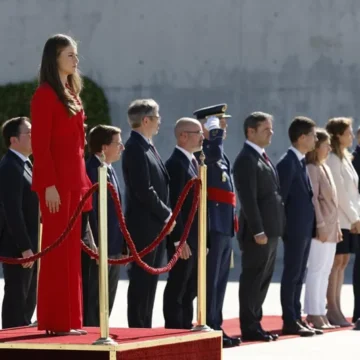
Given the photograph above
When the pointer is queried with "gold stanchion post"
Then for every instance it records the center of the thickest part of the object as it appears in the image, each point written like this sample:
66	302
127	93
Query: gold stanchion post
103	261
202	251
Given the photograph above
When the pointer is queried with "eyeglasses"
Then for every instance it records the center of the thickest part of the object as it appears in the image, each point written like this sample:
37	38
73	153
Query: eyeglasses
155	116
120	144
194	132
25	133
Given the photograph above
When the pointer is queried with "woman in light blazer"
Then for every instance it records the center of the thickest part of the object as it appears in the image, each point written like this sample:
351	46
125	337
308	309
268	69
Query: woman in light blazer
346	181
328	233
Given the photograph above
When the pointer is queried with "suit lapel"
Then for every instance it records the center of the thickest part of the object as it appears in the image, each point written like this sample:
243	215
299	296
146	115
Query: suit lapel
186	163
271	167
146	145
160	162
304	175
117	182
20	163
351	170
329	183
28	171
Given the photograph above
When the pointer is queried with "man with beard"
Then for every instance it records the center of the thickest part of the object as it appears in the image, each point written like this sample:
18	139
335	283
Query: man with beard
181	287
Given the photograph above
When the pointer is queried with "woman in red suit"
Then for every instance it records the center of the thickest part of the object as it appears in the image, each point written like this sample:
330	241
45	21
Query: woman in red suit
59	178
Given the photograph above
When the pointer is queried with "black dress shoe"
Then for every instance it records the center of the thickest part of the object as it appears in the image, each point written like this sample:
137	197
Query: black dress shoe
233	341
296	328
227	343
257	335
307	326
357	324
274	336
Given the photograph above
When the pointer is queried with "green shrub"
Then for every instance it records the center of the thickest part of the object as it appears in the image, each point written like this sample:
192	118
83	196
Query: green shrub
15	101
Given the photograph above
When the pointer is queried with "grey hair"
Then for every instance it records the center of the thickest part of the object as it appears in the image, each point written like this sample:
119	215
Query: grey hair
140	108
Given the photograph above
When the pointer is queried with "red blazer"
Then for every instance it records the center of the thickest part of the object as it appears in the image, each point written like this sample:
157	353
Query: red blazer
58	142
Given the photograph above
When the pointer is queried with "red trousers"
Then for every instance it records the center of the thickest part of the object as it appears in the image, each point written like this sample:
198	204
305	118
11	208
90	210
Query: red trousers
59	305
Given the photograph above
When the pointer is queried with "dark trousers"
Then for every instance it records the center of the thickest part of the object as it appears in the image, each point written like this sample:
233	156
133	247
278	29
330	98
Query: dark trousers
218	268
142	290
85	271
93	316
85	268
19	295
258	262
296	254
356	286
180	292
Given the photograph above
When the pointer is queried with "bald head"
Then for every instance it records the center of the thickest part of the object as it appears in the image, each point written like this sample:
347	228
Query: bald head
186	124
188	133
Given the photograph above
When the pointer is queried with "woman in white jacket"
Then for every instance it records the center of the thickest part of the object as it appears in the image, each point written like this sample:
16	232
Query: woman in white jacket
346	181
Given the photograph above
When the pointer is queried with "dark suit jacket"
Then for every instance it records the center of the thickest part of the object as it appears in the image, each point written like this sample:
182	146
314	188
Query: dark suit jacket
257	184
297	197
146	191
21	207
356	161
181	171
221	215
115	236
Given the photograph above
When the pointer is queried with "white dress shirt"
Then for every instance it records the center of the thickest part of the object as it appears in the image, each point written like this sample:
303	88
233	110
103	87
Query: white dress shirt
260	150
298	154
189	155
21	156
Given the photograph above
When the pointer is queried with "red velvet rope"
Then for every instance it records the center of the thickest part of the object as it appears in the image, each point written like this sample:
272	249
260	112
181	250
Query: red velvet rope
137	256
127	236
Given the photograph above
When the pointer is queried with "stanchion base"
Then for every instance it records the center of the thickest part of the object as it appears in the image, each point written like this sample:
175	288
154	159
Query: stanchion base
202	328
105	341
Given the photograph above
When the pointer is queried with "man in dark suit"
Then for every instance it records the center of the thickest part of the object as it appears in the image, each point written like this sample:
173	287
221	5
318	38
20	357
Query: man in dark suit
20	235
261	223
181	287
105	145
221	213
147	206
356	269
296	191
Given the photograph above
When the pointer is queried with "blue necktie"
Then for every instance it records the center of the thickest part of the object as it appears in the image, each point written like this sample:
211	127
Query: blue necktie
112	178
307	180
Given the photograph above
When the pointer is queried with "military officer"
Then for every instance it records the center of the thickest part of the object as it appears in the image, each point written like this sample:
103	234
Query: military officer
221	213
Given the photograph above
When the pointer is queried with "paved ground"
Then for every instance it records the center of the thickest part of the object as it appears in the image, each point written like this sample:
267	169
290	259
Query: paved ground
329	346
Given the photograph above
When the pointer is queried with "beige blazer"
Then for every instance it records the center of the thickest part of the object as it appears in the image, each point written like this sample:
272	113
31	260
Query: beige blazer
346	181
325	200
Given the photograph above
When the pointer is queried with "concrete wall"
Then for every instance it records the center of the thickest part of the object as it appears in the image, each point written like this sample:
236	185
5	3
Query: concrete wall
282	57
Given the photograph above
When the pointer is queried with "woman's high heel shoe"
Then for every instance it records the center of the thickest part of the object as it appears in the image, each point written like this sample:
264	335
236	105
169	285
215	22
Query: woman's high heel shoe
62	333
317	321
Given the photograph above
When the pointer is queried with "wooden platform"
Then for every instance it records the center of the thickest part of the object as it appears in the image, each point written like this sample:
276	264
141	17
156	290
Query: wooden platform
139	344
